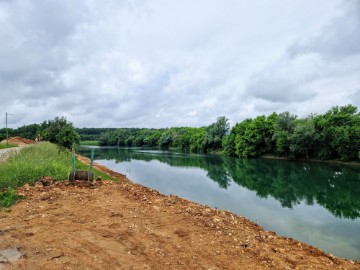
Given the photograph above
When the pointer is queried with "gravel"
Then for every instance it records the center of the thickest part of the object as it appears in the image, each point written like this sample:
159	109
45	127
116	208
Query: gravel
5	153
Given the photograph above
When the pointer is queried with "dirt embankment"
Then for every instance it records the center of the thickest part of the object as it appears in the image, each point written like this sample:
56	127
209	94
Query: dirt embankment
18	141
122	225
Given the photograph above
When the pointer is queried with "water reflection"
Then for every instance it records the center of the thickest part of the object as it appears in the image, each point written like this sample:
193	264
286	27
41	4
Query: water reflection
334	187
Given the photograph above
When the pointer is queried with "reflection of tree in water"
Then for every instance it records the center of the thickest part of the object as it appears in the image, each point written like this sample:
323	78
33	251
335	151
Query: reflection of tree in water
337	188
334	187
211	164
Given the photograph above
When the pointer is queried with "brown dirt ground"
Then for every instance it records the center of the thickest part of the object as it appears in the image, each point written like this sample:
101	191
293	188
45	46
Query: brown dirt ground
19	141
122	225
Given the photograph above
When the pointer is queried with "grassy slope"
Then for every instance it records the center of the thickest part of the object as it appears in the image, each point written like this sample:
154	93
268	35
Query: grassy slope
34	162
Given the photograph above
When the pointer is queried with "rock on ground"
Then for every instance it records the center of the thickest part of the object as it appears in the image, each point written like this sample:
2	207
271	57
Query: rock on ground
121	225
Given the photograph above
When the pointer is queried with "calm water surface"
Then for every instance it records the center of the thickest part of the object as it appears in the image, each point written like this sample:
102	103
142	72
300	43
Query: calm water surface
315	203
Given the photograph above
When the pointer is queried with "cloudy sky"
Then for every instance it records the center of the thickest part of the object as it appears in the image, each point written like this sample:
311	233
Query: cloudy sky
162	63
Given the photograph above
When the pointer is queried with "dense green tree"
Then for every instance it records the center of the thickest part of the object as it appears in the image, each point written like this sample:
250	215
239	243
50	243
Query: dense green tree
61	132
197	140
255	137
284	127
216	133
303	138
67	137
29	131
236	133
152	138
333	135
339	131
166	138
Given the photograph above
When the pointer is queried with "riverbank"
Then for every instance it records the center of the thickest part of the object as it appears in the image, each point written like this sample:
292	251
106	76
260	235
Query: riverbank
351	163
122	225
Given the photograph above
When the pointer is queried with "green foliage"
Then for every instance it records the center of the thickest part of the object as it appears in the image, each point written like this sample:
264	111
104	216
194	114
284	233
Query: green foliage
2	136
184	138
333	135
3	131
254	136
303	138
61	132
67	137
284	127
166	138
28	131
58	131
92	134
215	134
197	139
339	131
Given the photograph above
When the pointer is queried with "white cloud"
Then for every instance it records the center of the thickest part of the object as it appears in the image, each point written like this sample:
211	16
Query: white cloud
167	63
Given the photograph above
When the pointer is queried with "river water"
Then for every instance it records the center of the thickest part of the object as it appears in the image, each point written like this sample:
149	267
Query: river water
317	203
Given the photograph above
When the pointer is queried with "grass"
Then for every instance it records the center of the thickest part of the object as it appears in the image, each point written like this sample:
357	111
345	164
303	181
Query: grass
8	198
92	143
34	162
4	145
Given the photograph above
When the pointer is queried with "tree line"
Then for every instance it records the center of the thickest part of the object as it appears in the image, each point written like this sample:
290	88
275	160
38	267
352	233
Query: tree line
332	135
59	131
188	139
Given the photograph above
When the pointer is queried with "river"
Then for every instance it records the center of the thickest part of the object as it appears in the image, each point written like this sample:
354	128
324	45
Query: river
317	203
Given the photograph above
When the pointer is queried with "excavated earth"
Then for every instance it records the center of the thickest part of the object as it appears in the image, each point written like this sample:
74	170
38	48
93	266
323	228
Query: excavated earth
122	225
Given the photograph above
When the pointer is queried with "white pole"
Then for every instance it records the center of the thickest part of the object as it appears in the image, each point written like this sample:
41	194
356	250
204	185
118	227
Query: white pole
7	131
7	134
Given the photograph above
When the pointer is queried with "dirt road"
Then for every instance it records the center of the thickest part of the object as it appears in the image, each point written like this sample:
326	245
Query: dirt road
121	225
21	142
5	153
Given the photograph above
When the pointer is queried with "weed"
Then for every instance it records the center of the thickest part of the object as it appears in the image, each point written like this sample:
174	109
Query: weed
37	161
8	198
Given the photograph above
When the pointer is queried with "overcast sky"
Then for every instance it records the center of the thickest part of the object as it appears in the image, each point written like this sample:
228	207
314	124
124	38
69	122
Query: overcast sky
164	63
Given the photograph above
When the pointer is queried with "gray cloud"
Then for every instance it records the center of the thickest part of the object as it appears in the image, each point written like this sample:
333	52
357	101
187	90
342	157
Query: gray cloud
300	74
281	83
340	38
169	63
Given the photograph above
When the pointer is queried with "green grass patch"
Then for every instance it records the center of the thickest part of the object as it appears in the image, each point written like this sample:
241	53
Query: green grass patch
92	143
5	145
8	198
38	161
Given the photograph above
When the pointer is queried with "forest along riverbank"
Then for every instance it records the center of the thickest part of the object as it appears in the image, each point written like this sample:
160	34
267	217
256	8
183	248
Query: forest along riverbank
128	226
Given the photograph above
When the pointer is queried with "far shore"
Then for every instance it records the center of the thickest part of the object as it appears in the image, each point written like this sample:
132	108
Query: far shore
350	163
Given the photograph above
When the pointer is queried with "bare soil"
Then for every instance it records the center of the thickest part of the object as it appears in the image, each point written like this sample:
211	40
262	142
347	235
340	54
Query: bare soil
122	225
19	141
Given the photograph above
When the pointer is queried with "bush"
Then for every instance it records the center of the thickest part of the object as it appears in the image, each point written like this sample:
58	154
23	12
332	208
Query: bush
61	132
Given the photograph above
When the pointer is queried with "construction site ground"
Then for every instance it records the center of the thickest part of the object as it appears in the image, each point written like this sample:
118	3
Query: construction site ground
122	225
